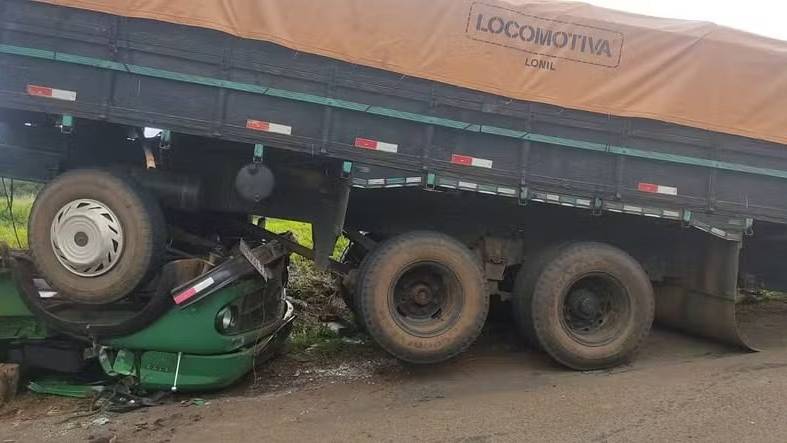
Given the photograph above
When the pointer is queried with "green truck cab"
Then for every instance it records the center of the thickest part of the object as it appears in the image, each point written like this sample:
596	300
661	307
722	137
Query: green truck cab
207	344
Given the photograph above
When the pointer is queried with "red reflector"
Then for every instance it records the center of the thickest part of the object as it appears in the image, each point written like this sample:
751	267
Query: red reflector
365	143
375	145
462	160
657	189
258	125
39	91
275	128
192	291
185	296
44	91
648	187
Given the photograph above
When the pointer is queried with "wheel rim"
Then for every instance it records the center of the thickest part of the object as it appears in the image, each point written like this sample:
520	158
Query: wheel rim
426	299
87	238
595	309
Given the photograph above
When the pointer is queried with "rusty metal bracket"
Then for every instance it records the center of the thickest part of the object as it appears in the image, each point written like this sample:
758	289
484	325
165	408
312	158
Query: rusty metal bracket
363	240
261	256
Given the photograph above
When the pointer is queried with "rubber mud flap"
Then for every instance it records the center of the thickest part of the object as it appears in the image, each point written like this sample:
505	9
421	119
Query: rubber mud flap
709	316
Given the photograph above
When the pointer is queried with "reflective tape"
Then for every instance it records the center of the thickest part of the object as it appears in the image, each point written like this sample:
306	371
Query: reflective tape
465	160
376	145
657	189
58	94
189	293
275	128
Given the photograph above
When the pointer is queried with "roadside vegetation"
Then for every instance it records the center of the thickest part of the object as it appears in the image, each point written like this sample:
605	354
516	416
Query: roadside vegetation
13	223
306	281
762	296
318	291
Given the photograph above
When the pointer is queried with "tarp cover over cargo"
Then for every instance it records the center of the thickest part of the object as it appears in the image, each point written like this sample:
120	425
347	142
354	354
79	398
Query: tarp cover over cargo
562	53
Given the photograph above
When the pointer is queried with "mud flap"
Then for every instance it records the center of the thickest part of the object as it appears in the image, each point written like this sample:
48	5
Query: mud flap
704	315
703	301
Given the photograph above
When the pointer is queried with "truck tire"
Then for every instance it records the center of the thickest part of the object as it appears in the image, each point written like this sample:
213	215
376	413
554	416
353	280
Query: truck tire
592	306
524	285
348	290
96	235
422	297
355	257
352	288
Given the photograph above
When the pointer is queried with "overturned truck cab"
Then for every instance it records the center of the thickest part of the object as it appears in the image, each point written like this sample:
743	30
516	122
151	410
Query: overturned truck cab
202	327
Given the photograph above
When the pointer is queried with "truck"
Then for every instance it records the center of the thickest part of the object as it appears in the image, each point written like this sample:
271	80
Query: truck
596	169
133	349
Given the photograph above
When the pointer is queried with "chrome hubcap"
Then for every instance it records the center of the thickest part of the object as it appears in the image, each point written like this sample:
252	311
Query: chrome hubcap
87	238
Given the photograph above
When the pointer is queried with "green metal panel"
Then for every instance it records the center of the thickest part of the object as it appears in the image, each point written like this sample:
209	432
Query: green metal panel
21	328
63	388
11	304
196	372
16	321
124	363
259	151
193	330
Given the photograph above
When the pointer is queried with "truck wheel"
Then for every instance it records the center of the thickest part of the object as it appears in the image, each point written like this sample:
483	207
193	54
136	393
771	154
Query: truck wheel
524	285
422	297
95	235
354	256
592	306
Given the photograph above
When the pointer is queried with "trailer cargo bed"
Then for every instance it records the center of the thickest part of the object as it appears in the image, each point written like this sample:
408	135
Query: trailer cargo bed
396	130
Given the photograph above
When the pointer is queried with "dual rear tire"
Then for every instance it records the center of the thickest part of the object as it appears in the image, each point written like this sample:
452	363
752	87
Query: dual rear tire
588	305
422	297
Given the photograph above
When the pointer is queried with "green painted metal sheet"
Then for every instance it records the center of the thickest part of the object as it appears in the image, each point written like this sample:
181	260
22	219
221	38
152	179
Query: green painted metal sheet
195	372
193	329
63	388
11	305
17	322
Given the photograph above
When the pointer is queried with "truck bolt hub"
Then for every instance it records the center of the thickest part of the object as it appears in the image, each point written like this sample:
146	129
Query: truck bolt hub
585	305
422	295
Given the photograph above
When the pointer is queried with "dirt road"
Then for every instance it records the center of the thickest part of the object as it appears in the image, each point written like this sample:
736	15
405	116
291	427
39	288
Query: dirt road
678	389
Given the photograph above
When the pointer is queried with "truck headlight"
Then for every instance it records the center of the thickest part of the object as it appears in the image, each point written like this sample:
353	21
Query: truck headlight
227	319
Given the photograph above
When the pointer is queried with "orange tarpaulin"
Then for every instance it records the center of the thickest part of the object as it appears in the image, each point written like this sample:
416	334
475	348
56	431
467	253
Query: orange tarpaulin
562	53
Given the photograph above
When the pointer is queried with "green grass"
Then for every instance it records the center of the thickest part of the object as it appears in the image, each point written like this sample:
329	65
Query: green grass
317	340
21	212
307	335
762	296
303	232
